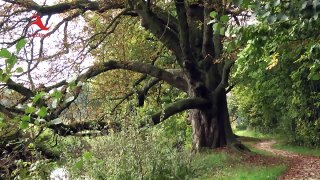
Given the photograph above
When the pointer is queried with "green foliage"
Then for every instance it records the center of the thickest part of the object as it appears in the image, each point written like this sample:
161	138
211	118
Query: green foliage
42	112
277	74
253	134
4	53
21	44
213	14
30	109
41	169
10	61
132	154
219	26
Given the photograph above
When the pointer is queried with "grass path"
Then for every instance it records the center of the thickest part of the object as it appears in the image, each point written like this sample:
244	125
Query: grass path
300	166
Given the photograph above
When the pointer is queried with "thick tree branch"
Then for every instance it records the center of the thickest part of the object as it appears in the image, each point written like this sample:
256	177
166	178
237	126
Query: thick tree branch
19	88
166	18
172	109
149	69
141	93
73	129
144	91
179	106
84	5
162	31
225	77
207	43
183	30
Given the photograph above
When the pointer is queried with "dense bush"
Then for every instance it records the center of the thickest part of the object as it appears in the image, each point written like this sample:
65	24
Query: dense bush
132	154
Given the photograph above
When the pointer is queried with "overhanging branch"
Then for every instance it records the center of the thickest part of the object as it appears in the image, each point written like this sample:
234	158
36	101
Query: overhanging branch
173	80
19	88
179	106
84	5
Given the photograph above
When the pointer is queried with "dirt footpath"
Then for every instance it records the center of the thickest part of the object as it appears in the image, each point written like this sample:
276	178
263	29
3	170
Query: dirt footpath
301	167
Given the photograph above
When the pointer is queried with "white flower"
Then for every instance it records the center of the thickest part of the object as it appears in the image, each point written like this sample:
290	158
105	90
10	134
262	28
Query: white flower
60	174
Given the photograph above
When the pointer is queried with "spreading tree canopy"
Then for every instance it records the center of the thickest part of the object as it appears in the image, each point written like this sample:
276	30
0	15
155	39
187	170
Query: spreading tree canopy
192	32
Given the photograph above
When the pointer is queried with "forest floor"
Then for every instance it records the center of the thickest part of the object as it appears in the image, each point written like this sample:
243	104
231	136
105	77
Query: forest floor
299	166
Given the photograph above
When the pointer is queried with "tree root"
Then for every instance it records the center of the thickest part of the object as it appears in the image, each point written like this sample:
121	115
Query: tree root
237	146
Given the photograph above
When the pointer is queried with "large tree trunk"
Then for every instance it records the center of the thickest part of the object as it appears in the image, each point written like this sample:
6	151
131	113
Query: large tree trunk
199	54
211	126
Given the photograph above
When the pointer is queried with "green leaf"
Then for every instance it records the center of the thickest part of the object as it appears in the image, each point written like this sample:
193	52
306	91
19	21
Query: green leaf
21	44
19	70
79	164
87	155
216	28
316	77
38	96
222	31
30	110
4	53
25	118
24	124
213	14
245	3
231	46
56	94
11	62
42	112
224	18
5	78
72	85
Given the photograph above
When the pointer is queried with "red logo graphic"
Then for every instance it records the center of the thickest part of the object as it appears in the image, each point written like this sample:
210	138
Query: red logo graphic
36	19
38	22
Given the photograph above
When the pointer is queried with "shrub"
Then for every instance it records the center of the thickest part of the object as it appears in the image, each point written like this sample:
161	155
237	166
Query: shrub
133	154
